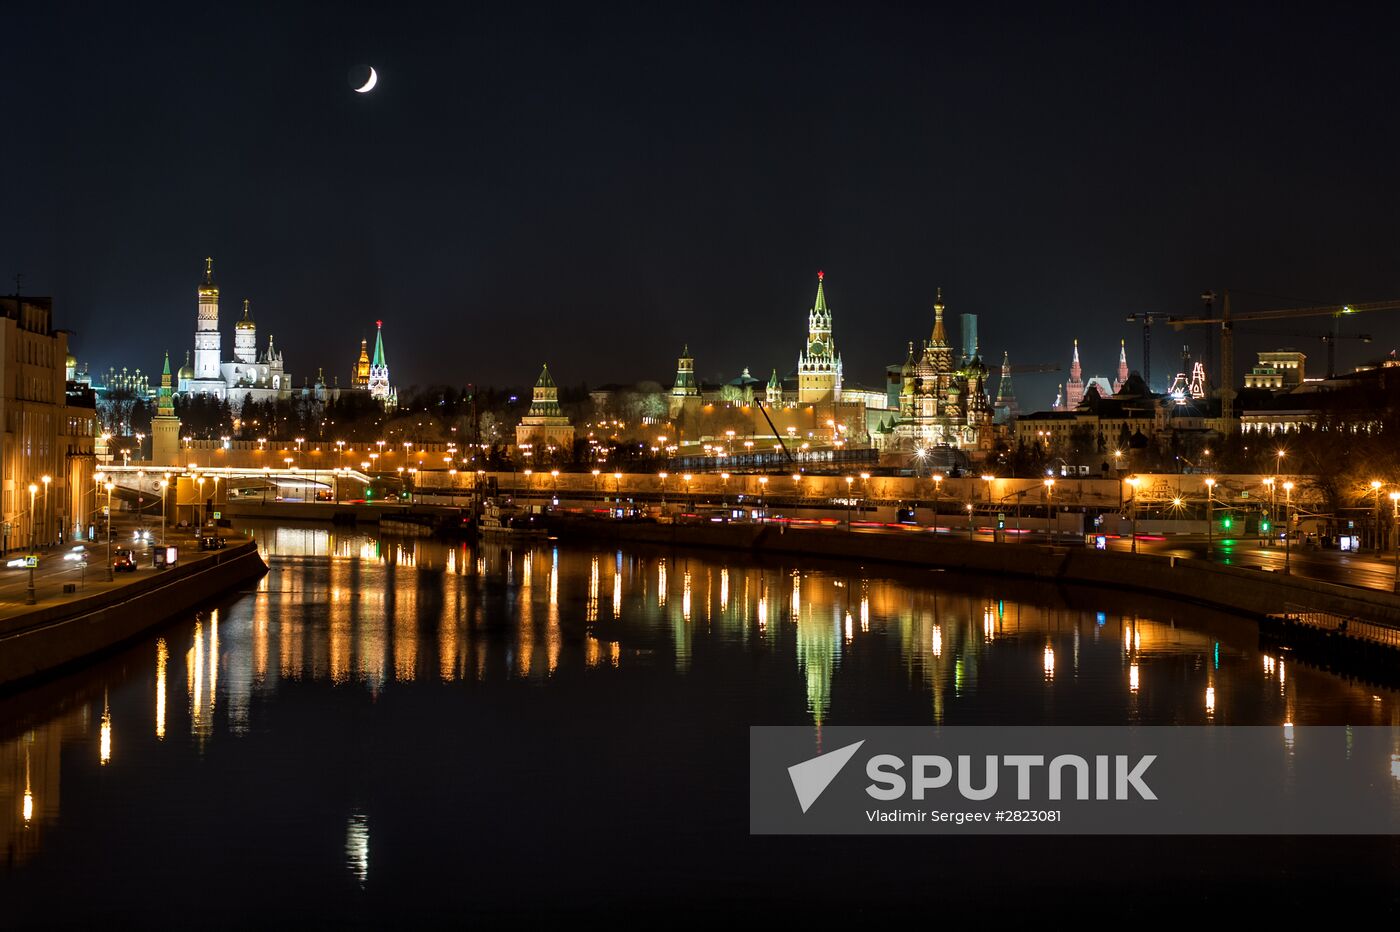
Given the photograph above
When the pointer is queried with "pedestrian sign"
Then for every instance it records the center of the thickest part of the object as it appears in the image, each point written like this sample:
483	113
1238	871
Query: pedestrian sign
218	515
32	560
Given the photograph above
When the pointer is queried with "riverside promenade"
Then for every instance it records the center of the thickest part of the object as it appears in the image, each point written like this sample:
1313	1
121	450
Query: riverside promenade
63	628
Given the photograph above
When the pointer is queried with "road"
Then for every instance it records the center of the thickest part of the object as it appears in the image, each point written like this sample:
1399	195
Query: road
53	571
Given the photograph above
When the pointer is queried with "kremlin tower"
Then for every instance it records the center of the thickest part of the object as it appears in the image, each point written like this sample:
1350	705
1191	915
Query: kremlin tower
1122	378
1074	388
684	387
819	368
379	387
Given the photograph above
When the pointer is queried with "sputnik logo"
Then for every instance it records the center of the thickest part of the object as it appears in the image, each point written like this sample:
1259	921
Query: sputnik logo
811	777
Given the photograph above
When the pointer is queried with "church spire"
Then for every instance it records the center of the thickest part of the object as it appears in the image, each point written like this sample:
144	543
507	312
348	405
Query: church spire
209	270
940	335
820	304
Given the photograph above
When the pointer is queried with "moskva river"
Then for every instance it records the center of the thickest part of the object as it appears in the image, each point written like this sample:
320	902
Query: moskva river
386	729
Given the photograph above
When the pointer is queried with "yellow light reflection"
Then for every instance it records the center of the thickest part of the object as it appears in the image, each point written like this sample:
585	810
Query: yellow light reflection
162	656
105	734
28	806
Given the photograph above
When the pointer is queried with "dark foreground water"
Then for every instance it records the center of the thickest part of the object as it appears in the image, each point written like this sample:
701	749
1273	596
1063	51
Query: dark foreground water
386	730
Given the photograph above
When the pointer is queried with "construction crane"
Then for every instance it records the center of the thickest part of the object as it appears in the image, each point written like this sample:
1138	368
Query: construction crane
1226	324
1146	321
764	411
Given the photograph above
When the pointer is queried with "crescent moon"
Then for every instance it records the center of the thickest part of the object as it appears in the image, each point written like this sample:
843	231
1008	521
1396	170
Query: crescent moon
369	85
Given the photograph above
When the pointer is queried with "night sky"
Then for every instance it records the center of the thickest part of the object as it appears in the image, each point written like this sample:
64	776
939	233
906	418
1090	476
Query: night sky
593	185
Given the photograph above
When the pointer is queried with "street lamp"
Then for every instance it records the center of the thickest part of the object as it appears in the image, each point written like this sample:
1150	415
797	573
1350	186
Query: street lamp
969	521
1376	522
203	511
663	476
1133	482
988	478
1273	511
1395	538
46	480
29	595
1049	491
109	487
1288	525
850	480
1210	516
937	490
762	496
164	484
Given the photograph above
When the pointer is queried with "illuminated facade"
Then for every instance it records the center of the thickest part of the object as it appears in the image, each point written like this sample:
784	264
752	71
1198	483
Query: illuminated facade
819	365
48	430
685	388
247	376
359	376
544	425
379	387
1277	370
943	398
165	426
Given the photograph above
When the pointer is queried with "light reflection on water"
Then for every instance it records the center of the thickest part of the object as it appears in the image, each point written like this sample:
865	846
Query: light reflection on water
704	637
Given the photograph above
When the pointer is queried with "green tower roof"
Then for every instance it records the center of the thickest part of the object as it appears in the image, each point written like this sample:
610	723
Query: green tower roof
379	345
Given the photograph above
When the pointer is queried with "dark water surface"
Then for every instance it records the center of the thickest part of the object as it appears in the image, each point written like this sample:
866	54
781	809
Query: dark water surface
387	729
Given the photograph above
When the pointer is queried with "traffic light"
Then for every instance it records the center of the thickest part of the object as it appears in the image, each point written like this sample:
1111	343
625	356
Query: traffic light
1227	522
1264	526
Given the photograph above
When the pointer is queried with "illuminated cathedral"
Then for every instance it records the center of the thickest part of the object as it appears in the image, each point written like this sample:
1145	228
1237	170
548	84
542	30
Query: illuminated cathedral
943	398
250	375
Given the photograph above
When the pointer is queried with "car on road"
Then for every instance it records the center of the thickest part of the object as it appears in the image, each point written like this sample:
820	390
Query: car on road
123	561
211	542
